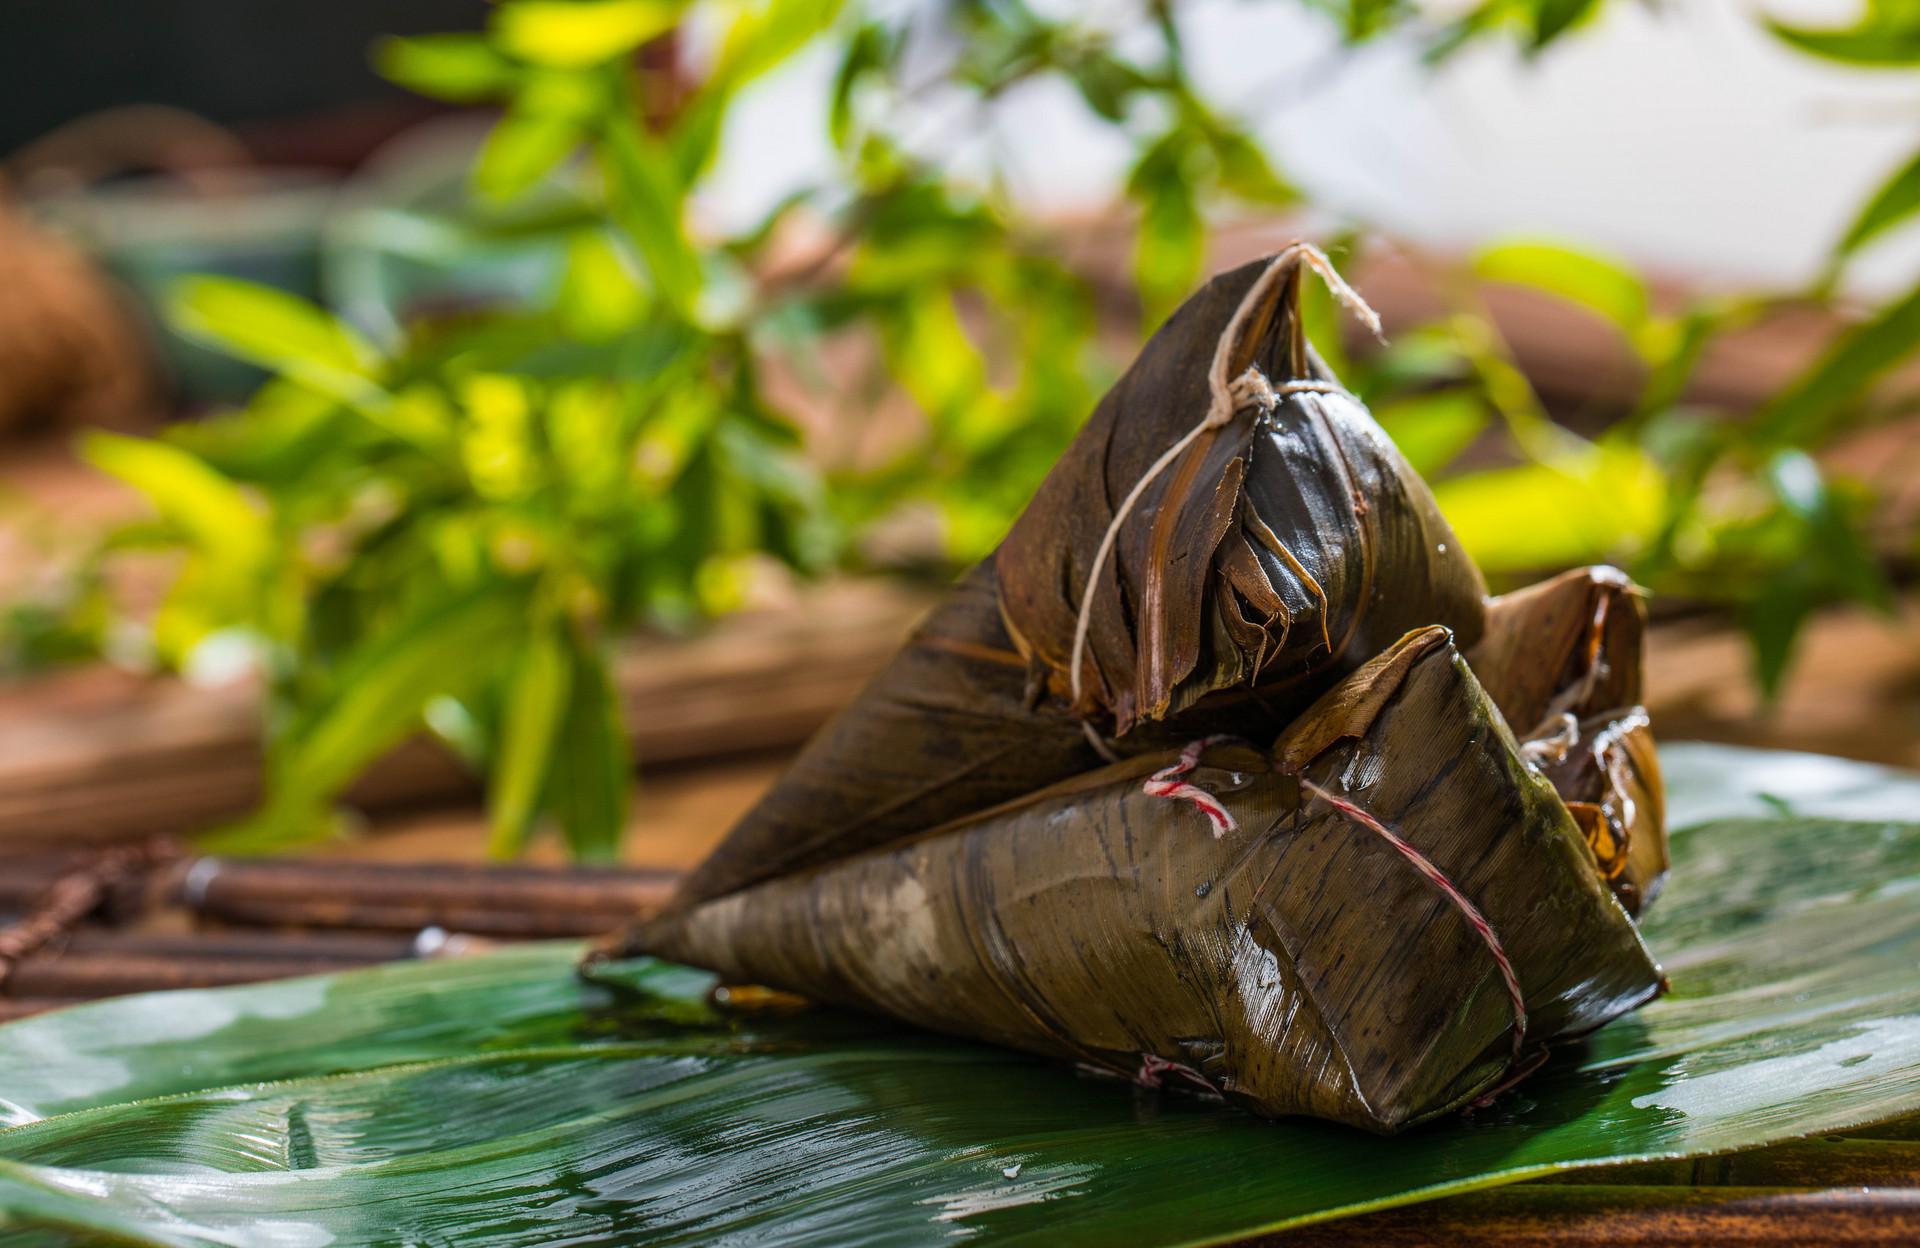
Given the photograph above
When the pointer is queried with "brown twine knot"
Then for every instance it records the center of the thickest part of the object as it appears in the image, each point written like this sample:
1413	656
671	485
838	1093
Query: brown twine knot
1250	389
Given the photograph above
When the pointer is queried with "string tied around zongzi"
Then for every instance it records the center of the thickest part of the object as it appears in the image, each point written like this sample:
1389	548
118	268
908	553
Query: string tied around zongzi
1470	912
1228	397
1167	783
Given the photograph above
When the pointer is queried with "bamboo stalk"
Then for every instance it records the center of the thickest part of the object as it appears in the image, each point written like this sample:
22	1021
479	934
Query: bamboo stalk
89	975
95	962
243	945
520	902
25	880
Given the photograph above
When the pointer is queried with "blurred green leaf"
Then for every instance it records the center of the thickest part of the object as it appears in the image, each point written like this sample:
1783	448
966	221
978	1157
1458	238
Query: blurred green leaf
1172	242
443	648
767	32
572	34
463	68
1773	622
1813	402
1246	172
1432	429
1887	36
523	147
591	775
599	296
1532	517
648	202
1600	285
1845	556
1361	20
210	510
1553	18
1894	203
275	329
869	50
530	735
936	362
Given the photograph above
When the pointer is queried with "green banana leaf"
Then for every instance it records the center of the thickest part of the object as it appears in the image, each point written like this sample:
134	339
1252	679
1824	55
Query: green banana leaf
498	1100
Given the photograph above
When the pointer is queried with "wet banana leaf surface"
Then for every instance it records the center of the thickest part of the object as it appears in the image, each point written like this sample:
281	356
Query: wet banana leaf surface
500	1100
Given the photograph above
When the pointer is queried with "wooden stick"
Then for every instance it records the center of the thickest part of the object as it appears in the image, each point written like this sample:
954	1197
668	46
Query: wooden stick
521	902
89	975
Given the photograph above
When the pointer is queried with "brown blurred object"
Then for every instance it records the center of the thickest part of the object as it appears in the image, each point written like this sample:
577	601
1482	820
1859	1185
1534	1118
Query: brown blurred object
98	754
70	353
79	925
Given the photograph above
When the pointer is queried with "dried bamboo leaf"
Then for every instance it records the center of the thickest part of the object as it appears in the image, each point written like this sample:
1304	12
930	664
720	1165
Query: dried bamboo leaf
1564	661
1297	963
1606	771
1574	644
1308	505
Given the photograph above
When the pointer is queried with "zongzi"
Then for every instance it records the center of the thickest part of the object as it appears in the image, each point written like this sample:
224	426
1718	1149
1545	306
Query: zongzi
1209	776
1277	550
1282	951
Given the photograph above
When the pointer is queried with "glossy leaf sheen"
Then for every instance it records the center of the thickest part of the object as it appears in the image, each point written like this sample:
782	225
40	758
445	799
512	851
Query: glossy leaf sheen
500	1101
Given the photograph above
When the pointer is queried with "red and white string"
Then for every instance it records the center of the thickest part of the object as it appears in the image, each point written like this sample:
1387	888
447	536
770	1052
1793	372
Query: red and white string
1467	909
1167	783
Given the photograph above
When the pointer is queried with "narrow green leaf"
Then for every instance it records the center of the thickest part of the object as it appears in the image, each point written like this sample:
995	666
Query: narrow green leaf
443	649
1172	242
599	297
530	728
523	147
1553	18
1601	285
1814	400
648	203
572	34
1773	622
1888	39
1844	553
1895	202
591	776
462	68
1245	171
1363	19
767	33
275	329
936	362
207	508
867	52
